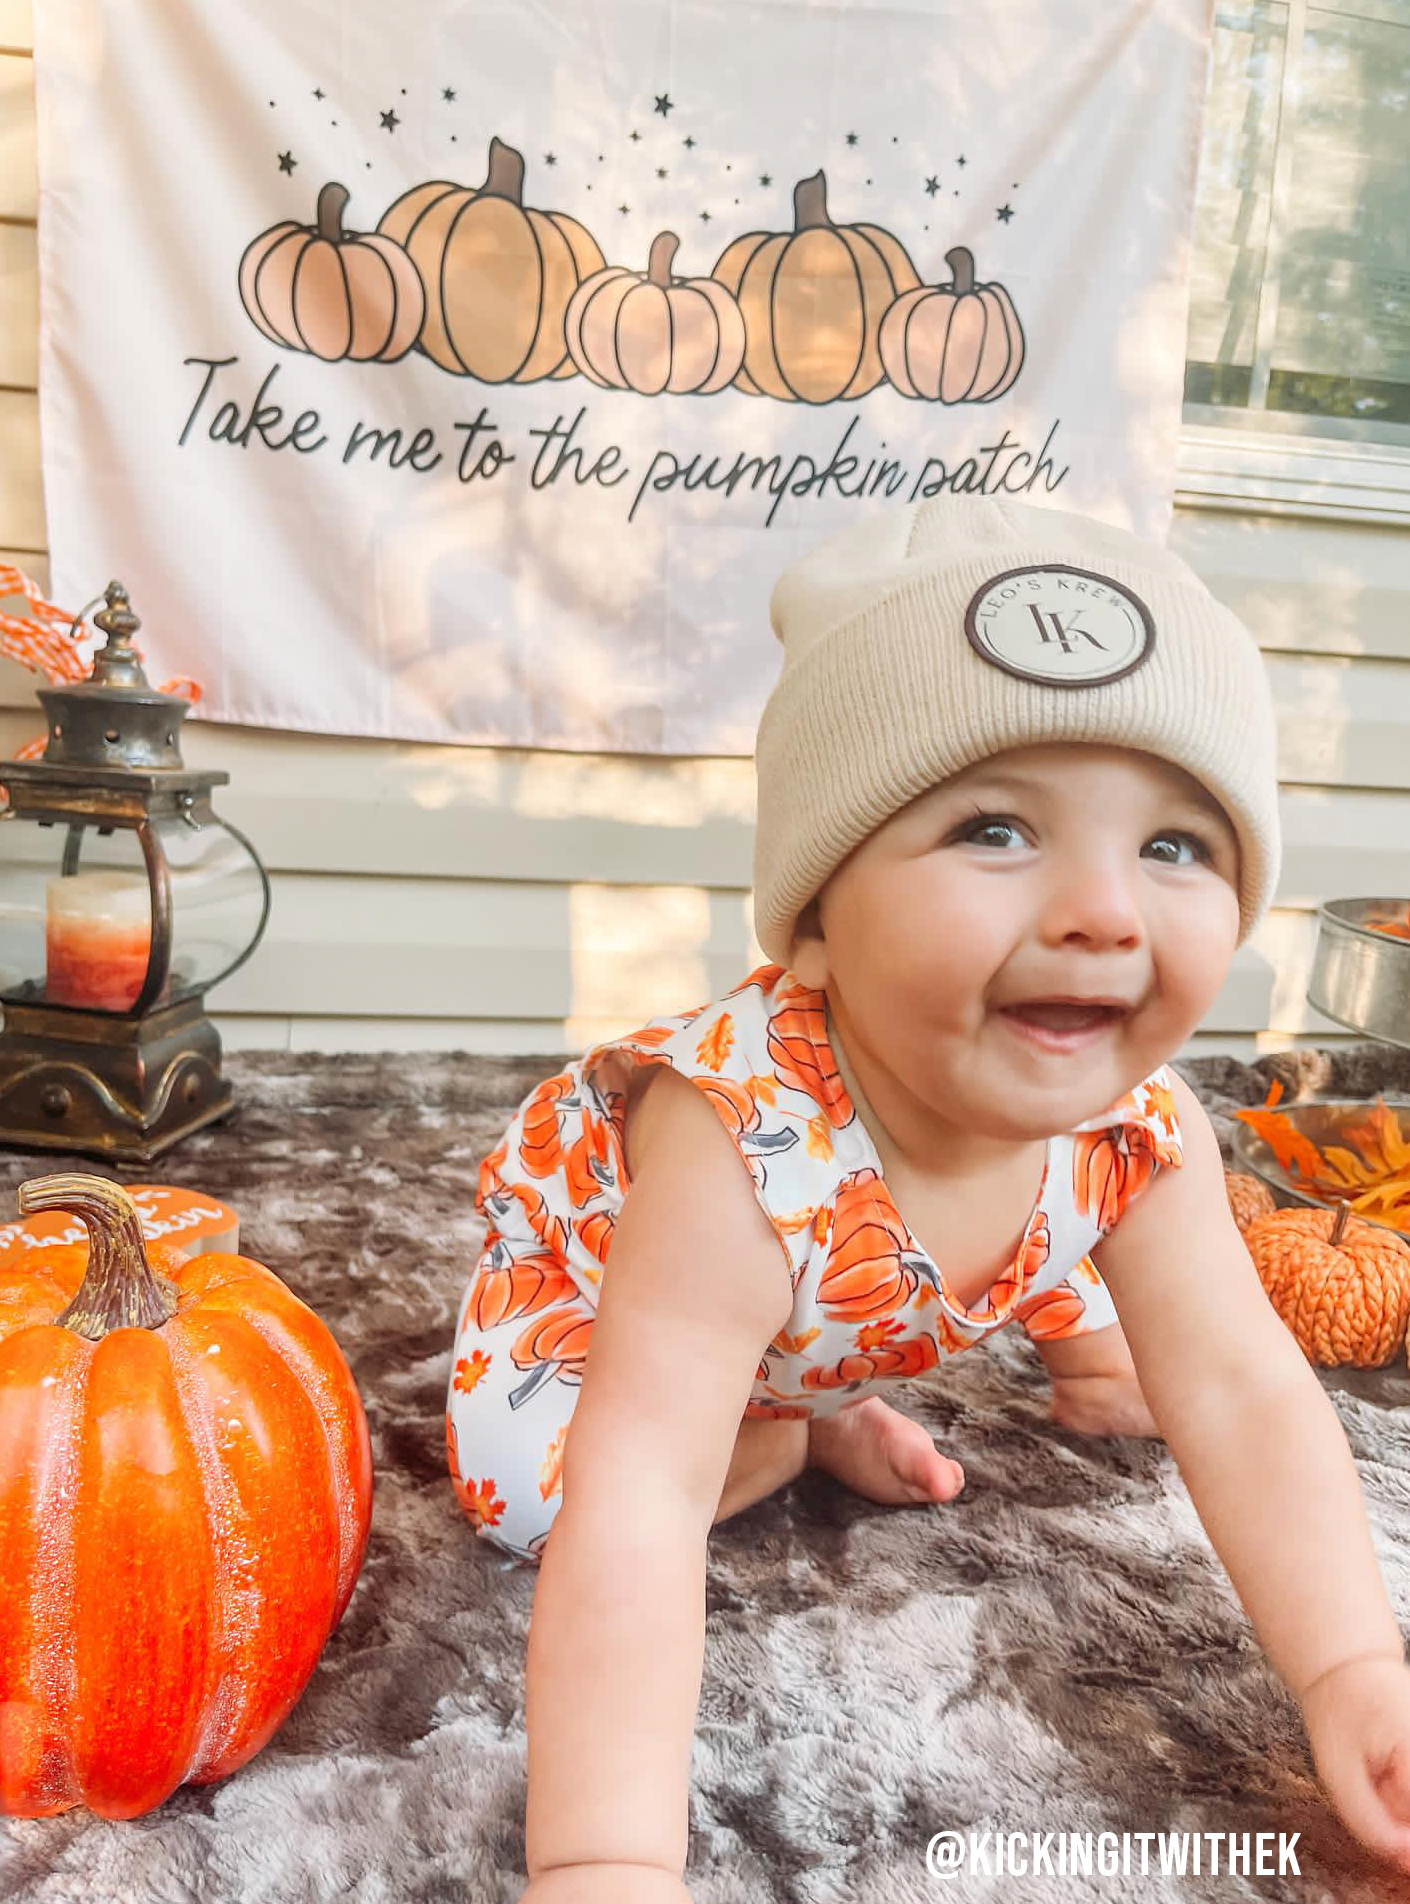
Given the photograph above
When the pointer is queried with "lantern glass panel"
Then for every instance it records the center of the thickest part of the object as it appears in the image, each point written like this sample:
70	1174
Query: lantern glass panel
217	897
76	913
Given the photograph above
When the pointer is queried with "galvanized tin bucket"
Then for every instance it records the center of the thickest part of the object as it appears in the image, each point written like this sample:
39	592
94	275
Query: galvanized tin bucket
1361	976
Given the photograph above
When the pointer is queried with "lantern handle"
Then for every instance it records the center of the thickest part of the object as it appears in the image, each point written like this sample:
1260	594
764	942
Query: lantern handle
235	964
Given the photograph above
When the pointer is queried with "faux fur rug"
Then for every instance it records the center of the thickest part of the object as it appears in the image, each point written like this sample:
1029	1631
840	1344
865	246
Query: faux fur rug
1058	1650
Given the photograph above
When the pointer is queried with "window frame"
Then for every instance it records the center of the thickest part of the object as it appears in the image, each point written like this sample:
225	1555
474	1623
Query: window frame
1262	461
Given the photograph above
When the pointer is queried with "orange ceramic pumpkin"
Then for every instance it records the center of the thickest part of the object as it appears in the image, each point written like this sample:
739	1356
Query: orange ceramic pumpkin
498	275
1340	1284
333	293
185	1495
813	300
652	333
1249	1197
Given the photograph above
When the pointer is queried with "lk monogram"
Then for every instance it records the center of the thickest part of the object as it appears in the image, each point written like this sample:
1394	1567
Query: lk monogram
1061	633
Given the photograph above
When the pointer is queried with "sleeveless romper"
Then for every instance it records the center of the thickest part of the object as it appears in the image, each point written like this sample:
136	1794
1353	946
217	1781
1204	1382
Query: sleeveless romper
870	1307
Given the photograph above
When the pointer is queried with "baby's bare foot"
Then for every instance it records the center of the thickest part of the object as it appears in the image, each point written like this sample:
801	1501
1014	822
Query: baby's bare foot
1102	1405
882	1454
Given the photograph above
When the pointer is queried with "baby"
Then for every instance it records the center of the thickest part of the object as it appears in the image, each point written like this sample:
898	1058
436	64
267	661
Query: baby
1018	807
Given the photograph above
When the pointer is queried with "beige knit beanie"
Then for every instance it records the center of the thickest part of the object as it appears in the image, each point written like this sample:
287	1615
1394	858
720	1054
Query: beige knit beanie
934	634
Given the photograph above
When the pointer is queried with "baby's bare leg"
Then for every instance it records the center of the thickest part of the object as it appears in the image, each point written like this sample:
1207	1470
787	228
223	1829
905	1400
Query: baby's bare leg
767	1455
868	1446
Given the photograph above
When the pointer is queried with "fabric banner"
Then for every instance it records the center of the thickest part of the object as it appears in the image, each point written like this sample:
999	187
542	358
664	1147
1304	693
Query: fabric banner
469	373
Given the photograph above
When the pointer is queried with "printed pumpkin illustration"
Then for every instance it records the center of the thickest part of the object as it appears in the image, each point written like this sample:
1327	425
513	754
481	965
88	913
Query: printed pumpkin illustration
510	1286
813	300
878	1357
499	274
1056	1312
959	342
868	1273
555	1344
540	1146
652	332
331	292
802	1056
1107	1173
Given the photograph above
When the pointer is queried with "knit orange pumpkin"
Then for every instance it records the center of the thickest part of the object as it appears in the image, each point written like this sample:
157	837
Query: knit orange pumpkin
813	300
1249	1197
185	1495
498	274
1340	1284
333	293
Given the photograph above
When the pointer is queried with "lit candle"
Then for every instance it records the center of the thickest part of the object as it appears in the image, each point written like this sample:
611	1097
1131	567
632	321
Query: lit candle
98	939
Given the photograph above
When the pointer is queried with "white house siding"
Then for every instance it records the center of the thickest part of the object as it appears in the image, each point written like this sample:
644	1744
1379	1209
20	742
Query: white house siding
393	925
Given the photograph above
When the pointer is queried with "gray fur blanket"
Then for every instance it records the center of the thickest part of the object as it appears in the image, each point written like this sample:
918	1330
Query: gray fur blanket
1058	1650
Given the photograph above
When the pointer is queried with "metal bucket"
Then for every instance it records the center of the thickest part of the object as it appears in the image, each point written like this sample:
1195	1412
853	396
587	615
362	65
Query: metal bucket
1361	977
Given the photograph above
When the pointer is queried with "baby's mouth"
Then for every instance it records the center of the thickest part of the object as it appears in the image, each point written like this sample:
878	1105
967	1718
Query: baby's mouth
1064	1017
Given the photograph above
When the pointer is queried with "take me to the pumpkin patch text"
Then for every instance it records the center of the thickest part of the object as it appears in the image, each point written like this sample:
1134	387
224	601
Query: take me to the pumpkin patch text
562	452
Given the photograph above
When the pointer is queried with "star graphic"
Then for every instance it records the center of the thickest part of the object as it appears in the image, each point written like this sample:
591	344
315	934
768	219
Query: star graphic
390	120
687	140
634	136
549	159
764	179
287	161
624	208
932	185
660	171
706	217
318	92
851	138
962	160
447	92
664	102
1005	212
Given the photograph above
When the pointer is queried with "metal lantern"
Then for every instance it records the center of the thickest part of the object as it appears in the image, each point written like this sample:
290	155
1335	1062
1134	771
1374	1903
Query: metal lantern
153	900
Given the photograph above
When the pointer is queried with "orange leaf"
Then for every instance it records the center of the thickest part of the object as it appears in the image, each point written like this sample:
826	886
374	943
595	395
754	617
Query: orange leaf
717	1043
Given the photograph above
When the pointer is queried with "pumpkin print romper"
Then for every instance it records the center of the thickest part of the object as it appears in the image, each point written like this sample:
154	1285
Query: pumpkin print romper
870	1307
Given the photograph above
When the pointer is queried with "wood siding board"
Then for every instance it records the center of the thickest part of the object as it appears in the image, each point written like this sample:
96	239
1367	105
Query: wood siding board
21	493
17	24
19	306
19	140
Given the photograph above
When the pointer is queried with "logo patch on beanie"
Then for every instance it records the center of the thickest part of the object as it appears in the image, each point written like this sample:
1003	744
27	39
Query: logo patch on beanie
1066	627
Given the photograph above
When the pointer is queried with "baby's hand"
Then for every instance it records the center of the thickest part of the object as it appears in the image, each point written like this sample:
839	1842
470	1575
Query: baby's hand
605	1884
1358	1724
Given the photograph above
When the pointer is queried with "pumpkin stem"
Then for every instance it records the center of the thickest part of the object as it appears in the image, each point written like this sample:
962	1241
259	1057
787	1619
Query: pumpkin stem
663	249
961	263
810	202
120	1289
505	177
1343	1212
331	201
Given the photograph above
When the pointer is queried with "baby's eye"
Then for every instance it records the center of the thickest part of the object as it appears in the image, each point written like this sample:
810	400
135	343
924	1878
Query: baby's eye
988	824
1202	852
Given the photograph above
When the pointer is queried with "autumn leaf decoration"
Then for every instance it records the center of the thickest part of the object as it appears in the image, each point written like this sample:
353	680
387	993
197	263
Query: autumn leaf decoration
1376	1182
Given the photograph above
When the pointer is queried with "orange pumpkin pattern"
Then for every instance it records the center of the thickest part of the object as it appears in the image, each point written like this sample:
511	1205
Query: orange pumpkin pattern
870	1306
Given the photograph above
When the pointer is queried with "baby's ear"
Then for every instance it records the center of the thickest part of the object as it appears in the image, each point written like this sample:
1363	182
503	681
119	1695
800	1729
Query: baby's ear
808	952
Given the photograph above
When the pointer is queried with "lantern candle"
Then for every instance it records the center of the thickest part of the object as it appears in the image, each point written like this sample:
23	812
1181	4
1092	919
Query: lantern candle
98	939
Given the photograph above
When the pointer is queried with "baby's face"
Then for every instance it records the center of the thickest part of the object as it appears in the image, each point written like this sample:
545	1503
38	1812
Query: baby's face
1048	871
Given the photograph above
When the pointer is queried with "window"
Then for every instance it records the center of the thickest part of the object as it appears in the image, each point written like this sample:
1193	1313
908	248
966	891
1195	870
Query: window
1297	375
